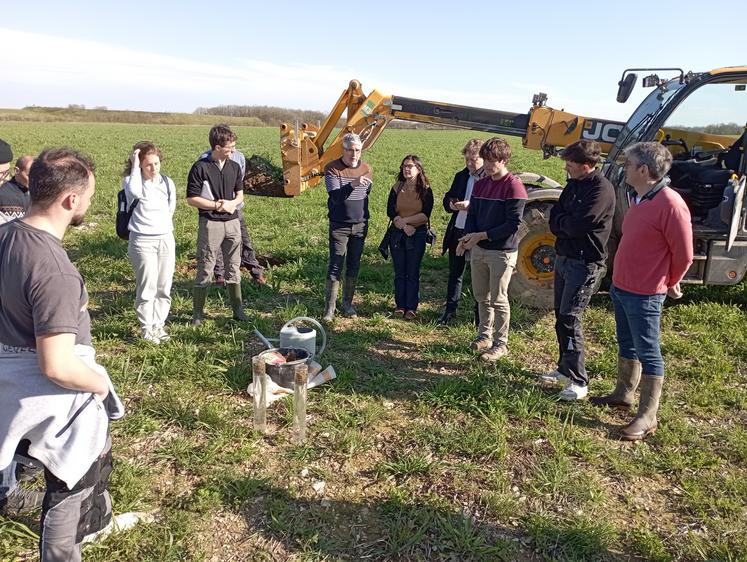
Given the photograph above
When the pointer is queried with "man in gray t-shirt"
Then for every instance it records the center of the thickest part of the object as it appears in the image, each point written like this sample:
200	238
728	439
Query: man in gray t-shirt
56	401
58	300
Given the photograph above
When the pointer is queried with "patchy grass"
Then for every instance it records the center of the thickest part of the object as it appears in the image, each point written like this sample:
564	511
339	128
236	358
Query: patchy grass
416	451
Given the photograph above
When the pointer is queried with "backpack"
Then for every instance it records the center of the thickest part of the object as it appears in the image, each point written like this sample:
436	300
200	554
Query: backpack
124	214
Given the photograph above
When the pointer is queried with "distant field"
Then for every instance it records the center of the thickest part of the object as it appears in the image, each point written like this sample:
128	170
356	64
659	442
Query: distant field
424	453
68	115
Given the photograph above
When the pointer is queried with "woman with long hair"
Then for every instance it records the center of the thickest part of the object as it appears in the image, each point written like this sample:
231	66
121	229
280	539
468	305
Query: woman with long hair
409	208
151	246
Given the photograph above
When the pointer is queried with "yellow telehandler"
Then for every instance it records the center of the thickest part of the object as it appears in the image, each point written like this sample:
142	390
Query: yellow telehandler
699	116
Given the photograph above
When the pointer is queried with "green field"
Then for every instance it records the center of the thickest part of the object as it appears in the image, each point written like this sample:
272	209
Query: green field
425	454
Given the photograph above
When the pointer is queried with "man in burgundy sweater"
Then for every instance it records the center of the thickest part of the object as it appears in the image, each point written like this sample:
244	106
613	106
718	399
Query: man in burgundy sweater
655	252
492	238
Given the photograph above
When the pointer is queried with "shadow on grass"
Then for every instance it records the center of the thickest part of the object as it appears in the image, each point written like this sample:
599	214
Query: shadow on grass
393	529
282	524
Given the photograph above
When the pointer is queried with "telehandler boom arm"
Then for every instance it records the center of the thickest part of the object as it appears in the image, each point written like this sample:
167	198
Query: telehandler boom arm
305	150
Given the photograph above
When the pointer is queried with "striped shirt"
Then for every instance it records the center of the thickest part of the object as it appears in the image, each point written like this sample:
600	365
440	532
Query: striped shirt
347	204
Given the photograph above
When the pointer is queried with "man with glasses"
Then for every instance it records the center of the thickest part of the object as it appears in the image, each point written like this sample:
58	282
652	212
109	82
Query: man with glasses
14	193
456	202
581	221
348	182
655	252
248	255
215	186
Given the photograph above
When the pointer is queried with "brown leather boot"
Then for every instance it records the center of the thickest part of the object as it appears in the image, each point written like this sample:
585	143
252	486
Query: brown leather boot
644	423
628	377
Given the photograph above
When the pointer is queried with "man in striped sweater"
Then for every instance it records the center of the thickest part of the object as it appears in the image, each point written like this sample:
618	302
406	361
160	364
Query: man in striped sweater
492	238
348	181
654	254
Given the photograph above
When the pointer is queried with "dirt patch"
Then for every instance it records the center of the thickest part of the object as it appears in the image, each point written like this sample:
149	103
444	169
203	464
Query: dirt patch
263	178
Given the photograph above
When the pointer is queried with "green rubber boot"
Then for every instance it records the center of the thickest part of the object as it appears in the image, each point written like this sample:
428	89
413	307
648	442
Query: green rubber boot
234	293
199	295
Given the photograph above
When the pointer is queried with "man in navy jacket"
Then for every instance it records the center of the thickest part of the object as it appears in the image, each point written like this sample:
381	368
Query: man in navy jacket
456	202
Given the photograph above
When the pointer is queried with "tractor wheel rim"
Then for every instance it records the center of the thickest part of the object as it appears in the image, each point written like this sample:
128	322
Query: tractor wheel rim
537	257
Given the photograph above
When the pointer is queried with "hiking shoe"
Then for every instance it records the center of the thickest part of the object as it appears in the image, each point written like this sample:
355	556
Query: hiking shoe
21	501
555	377
482	343
573	392
446	318
259	279
411	315
494	353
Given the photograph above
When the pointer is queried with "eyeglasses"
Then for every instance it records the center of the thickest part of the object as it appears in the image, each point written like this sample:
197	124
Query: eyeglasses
408	166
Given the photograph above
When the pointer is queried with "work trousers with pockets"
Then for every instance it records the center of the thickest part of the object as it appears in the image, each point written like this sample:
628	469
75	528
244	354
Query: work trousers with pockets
153	258
214	237
574	286
345	247
491	274
248	255
68	515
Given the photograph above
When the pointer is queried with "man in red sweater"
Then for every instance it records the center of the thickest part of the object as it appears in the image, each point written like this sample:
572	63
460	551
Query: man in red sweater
654	254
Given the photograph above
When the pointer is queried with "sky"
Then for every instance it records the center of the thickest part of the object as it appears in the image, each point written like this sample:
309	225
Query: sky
177	56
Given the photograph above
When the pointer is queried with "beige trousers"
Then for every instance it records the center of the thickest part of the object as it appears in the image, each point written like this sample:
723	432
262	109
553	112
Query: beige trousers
491	273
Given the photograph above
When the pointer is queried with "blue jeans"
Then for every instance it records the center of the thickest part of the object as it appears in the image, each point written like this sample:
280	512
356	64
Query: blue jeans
407	255
637	323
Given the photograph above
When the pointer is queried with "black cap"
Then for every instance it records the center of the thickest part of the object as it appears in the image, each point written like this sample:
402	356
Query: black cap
6	154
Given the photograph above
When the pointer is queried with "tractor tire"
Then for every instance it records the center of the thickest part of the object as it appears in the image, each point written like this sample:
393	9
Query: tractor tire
532	281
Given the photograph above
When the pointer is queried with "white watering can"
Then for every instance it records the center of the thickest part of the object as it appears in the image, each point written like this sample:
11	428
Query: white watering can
303	337
298	338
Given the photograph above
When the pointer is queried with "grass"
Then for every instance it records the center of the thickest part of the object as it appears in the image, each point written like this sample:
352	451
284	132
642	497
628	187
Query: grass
416	451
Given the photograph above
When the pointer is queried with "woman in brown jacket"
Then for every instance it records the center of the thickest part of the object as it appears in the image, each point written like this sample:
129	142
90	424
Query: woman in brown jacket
409	207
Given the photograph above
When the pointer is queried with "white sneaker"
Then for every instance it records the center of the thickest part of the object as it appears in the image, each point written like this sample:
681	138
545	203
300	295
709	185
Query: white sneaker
150	336
161	334
119	523
555	377
574	391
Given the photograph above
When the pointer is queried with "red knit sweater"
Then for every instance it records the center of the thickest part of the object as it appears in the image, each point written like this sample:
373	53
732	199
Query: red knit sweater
656	249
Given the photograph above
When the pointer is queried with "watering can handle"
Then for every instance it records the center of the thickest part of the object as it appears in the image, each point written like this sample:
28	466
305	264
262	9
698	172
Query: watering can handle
317	324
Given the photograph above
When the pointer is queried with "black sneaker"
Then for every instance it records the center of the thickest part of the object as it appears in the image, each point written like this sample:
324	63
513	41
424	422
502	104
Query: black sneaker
21	501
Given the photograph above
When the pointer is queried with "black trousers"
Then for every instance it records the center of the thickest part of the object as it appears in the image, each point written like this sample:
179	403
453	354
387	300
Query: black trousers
574	285
345	247
457	265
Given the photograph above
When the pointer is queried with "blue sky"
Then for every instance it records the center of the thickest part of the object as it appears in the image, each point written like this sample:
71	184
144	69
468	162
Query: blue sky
176	56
